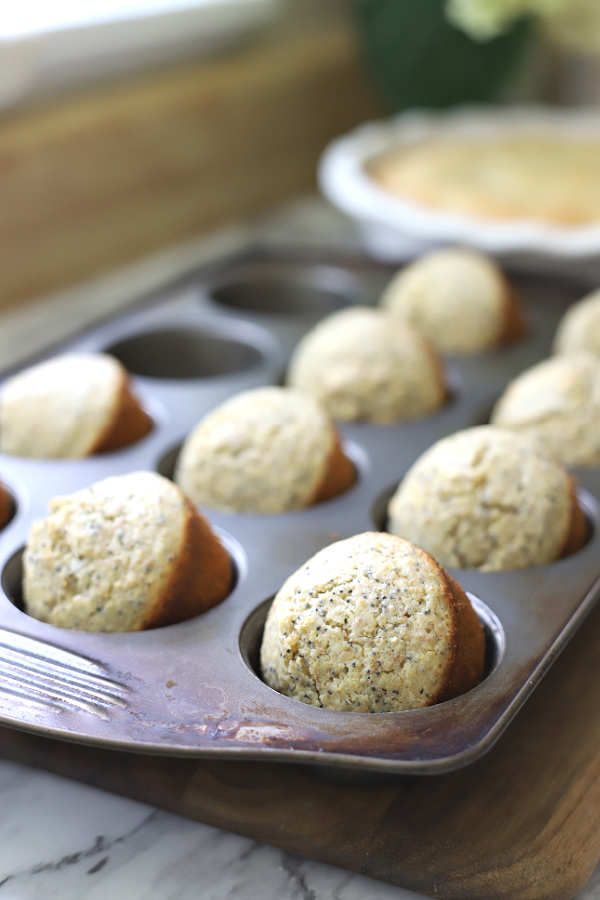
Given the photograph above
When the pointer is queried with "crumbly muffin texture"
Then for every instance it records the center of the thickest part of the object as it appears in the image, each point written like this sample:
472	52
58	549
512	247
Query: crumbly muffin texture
579	328
116	556
69	407
487	499
457	298
557	403
364	365
371	624
267	450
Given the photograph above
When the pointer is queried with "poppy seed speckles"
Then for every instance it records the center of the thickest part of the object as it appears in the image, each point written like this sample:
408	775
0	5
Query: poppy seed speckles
388	648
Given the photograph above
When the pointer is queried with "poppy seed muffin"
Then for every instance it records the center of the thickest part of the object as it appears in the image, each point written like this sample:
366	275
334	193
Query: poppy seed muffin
488	499
579	328
267	450
557	403
457	298
130	552
70	406
363	365
372	624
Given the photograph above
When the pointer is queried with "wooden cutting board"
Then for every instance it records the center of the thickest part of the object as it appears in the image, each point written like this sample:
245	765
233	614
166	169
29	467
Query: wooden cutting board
522	823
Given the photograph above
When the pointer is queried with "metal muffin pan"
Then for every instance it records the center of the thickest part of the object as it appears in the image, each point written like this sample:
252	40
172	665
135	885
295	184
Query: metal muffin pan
192	689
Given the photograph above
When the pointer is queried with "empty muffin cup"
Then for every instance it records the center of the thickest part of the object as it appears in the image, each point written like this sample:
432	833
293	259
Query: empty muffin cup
178	354
307	291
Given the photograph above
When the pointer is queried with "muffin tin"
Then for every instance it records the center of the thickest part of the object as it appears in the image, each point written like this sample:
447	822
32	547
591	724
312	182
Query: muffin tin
192	689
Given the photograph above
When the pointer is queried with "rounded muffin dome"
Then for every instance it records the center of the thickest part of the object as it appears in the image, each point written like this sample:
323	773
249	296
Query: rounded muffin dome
488	499
128	553
372	624
457	298
557	403
267	450
579	328
70	406
364	365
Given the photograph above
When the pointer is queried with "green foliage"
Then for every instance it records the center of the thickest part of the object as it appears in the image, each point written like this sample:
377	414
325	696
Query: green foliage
419	59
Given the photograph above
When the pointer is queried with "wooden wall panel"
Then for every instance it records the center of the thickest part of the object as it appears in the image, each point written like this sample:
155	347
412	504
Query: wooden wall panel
116	173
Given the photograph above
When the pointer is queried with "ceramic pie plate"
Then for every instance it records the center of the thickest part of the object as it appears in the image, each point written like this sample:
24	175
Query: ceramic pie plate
394	228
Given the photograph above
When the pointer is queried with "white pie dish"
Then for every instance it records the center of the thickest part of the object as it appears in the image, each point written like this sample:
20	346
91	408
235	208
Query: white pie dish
394	228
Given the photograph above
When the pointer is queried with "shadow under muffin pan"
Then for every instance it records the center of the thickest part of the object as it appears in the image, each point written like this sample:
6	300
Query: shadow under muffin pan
192	689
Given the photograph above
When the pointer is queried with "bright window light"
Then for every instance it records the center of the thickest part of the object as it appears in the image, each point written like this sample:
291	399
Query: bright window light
34	16
49	46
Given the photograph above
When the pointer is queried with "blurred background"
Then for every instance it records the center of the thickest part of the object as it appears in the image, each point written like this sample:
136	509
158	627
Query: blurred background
127	126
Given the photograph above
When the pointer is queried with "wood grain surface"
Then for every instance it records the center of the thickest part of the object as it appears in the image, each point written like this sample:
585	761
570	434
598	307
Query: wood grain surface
523	822
118	172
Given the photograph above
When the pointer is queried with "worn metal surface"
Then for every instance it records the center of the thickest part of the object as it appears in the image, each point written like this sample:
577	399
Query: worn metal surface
191	688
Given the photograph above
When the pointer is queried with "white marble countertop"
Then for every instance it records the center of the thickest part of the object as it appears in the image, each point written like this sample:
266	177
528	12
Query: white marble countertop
61	839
